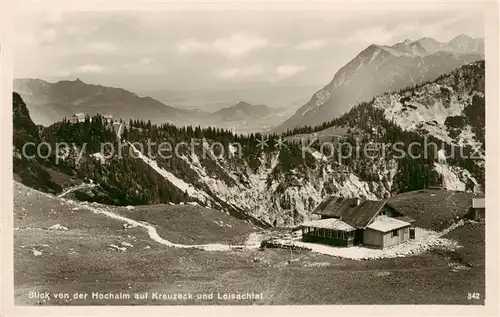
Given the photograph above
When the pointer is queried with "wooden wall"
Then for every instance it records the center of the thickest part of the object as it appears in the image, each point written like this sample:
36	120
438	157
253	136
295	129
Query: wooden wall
380	239
373	238
403	235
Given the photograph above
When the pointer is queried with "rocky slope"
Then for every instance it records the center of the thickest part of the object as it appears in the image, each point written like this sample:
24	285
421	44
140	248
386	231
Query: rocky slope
449	108
382	68
448	113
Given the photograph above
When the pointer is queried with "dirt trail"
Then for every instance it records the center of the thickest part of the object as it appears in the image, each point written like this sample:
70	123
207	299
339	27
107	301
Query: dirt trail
253	241
72	189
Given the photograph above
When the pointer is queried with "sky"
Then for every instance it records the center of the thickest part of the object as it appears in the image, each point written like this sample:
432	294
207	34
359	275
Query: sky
147	50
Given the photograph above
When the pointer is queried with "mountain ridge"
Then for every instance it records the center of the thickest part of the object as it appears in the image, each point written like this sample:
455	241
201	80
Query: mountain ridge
381	68
243	111
49	102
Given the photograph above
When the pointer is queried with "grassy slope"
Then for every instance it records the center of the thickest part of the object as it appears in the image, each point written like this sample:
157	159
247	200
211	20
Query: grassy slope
433	209
189	224
79	260
472	237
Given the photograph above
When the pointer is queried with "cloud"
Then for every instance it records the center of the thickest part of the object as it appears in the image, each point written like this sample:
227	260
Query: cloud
190	46
145	61
142	62
62	73
239	44
370	35
385	35
80	30
217	49
311	45
246	71
236	45
53	16
90	68
48	36
101	48
73	30
228	73
289	70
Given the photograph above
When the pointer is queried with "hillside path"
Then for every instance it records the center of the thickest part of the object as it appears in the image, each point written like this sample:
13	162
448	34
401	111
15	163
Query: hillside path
253	241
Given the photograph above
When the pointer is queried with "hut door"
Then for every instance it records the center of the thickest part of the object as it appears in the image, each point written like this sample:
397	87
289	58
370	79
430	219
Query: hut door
358	238
412	233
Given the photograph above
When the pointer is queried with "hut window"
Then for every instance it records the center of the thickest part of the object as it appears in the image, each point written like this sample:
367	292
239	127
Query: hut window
394	233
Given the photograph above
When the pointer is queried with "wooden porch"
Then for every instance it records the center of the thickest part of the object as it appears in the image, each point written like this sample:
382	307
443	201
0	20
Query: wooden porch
328	236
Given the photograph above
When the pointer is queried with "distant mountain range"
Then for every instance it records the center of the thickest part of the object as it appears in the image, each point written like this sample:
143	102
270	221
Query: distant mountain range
381	68
51	102
242	111
214	99
244	117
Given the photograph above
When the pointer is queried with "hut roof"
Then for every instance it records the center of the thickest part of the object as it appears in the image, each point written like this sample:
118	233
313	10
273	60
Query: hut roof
358	216
386	224
330	223
334	206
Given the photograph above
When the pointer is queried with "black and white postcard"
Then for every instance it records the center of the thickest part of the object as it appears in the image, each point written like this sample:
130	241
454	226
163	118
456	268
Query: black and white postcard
291	154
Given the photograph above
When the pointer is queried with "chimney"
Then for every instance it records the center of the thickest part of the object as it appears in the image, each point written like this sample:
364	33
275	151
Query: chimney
356	202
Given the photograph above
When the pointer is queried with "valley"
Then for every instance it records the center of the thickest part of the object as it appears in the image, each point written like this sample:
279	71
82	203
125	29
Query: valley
278	184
